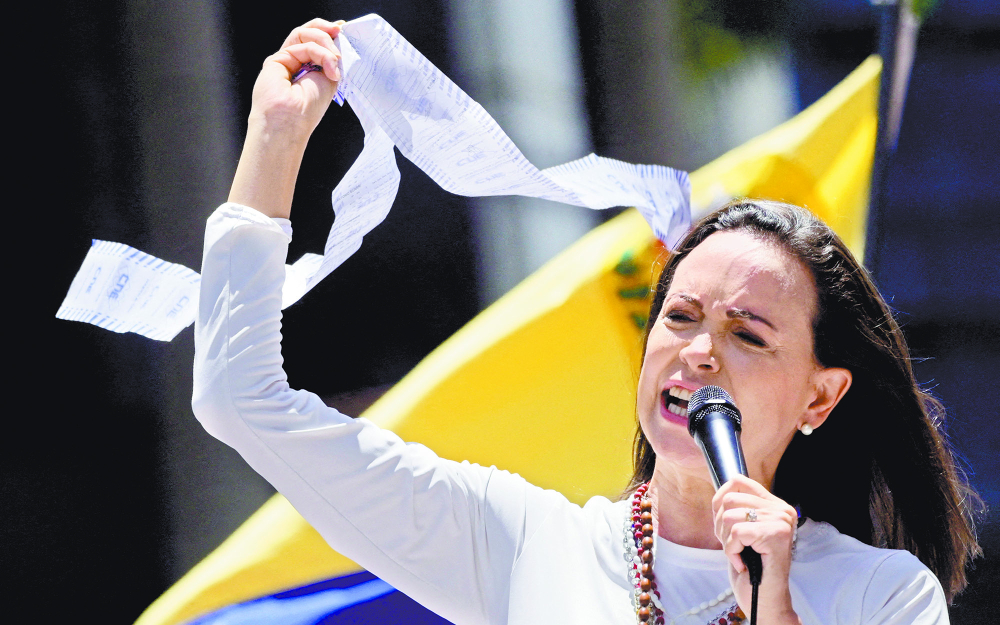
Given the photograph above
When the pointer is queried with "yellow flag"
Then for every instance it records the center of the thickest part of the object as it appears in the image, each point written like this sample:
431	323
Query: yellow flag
542	383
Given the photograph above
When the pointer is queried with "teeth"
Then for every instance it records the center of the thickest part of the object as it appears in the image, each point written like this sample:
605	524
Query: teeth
676	399
679	393
677	410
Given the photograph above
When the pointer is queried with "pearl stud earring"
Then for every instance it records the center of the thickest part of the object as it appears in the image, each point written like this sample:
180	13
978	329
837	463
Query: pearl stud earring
806	429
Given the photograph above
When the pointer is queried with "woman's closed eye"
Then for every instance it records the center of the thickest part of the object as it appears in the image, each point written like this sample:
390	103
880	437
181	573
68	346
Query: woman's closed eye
749	337
678	316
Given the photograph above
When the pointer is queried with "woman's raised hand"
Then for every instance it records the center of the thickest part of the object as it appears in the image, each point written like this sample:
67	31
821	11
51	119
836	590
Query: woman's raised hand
299	106
283	116
748	515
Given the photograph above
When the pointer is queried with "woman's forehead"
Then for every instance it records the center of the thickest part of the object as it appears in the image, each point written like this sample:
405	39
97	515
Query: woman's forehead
732	267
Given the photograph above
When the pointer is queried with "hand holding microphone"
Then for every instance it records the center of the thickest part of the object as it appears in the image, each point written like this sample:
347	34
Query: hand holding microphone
716	424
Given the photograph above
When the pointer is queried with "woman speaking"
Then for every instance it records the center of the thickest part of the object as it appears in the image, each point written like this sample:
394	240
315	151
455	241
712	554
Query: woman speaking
853	500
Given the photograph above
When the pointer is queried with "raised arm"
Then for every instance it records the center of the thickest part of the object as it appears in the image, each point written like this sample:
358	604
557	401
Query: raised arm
283	116
447	534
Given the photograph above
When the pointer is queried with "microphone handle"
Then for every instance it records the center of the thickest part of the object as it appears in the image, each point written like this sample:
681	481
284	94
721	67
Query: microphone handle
718	441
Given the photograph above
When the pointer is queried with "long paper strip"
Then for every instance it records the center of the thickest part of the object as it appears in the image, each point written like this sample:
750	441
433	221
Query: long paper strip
403	100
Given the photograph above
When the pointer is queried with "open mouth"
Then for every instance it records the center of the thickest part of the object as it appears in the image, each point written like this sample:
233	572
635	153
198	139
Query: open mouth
676	399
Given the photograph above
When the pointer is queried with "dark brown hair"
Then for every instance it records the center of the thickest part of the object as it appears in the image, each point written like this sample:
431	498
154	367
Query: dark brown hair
880	469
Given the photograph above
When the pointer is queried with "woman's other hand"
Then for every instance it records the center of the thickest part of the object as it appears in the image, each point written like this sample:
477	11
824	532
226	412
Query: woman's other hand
298	107
748	515
284	114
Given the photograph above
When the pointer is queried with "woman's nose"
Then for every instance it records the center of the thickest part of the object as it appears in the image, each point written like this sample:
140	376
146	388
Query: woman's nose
699	354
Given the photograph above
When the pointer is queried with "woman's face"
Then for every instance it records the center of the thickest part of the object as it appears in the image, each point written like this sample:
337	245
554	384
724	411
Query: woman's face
738	315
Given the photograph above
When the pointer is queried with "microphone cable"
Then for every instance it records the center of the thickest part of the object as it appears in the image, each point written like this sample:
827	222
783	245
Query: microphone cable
755	571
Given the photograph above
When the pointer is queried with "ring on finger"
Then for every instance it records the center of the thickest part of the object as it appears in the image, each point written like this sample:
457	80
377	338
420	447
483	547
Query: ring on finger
751	515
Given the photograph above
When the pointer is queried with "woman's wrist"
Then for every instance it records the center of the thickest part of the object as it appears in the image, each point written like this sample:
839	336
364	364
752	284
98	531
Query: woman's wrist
269	164
780	612
788	618
289	128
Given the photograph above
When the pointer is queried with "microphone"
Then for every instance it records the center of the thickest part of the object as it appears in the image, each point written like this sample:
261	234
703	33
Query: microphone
715	423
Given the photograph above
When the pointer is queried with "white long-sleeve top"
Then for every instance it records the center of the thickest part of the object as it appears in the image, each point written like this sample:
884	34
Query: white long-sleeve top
473	544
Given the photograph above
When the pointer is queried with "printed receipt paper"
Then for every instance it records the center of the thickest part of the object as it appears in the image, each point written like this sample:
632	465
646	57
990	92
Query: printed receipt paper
402	100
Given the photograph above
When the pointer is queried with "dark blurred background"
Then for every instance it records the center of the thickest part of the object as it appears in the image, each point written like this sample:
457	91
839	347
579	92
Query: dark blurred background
127	120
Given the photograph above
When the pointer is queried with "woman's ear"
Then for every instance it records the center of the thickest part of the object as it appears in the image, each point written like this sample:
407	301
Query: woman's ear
829	386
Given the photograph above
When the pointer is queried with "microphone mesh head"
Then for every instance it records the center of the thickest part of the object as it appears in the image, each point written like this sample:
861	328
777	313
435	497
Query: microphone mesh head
711	399
714	394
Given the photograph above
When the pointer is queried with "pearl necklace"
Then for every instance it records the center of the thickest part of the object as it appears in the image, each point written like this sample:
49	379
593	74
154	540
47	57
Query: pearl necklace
639	542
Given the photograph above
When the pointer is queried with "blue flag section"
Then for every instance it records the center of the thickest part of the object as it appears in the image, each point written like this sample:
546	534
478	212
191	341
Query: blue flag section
356	598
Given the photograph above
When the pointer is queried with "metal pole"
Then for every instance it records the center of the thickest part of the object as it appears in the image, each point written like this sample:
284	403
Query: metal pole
898	27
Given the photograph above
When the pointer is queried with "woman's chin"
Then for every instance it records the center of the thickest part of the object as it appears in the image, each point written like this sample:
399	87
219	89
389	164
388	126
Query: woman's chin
675	446
667	432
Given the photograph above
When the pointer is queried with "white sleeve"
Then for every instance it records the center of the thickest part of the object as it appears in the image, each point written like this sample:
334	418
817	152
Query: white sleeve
903	591
445	533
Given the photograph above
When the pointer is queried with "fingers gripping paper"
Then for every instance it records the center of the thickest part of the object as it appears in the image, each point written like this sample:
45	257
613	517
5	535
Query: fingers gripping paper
402	100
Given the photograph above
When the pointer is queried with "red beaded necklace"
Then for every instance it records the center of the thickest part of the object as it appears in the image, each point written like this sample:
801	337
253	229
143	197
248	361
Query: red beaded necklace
638	542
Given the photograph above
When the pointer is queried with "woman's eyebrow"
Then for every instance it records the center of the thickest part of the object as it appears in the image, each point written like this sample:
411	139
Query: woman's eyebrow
732	313
742	313
690	299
